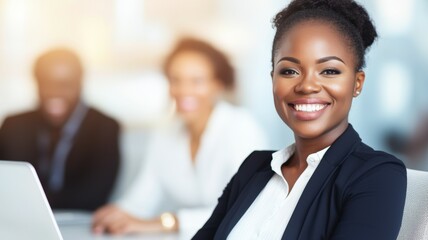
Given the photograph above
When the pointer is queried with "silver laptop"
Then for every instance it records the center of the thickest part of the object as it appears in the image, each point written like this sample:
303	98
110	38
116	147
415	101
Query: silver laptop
24	210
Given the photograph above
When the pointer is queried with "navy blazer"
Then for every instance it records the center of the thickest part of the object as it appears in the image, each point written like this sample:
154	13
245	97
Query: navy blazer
355	193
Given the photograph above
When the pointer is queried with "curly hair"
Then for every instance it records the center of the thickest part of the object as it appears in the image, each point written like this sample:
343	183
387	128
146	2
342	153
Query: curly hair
347	16
223	70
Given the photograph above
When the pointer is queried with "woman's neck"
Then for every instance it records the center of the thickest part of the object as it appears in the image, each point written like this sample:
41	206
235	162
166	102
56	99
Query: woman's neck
304	146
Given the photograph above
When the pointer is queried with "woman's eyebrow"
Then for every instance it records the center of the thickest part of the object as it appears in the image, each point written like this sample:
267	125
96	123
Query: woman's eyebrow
290	59
321	60
329	58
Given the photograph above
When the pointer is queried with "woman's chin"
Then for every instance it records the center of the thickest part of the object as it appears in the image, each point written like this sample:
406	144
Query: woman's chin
188	116
307	131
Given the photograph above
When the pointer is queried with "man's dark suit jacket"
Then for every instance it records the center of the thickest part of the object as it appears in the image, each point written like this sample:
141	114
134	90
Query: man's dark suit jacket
91	165
355	193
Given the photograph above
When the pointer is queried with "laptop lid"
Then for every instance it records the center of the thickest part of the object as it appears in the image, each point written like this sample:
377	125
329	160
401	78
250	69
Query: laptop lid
24	210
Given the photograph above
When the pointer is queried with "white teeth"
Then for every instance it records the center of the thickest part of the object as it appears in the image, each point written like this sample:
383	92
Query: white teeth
309	107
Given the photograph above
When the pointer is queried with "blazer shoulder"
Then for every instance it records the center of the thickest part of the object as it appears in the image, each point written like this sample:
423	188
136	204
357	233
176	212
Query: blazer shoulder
365	161
20	119
370	156
256	161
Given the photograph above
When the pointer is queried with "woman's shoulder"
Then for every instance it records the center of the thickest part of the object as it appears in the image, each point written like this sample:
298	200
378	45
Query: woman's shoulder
255	162
368	155
238	119
365	162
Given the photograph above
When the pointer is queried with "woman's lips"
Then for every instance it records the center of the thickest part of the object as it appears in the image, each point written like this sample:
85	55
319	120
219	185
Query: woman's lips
187	104
308	109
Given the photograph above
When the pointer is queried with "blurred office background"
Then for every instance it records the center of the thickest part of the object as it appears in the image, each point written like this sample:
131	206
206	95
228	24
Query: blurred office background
124	42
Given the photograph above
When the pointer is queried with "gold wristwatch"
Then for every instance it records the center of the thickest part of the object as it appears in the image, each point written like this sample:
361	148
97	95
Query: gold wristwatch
168	221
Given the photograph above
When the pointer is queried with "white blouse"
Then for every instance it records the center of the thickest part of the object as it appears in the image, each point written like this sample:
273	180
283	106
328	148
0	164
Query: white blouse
269	214
169	181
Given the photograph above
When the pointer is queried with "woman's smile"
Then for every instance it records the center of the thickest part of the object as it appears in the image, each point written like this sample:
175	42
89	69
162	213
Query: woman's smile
187	104
308	109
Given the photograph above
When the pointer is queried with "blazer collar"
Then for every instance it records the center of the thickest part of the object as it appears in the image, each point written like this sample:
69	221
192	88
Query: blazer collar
246	198
333	158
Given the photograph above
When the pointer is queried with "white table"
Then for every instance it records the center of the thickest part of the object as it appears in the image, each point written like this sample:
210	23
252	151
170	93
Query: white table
77	226
82	232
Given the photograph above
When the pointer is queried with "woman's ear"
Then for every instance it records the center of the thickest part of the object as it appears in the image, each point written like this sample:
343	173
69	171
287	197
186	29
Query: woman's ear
359	82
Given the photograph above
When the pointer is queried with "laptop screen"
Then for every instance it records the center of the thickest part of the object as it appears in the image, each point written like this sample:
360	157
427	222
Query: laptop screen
24	210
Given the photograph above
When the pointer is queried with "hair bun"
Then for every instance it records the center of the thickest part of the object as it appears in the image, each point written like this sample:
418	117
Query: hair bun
357	16
353	12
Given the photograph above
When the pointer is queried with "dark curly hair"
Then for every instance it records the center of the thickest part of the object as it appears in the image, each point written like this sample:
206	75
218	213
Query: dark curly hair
223	70
349	18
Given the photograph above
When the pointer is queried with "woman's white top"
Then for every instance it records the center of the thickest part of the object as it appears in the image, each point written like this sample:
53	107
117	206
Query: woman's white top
269	214
170	181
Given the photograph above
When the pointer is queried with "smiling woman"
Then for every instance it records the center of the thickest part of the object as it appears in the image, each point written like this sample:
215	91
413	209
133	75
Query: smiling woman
315	69
328	184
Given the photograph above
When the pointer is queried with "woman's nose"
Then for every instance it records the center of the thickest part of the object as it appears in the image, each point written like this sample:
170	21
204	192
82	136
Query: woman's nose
308	84
180	89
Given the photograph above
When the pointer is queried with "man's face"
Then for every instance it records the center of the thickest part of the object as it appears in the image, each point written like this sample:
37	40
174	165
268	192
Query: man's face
59	87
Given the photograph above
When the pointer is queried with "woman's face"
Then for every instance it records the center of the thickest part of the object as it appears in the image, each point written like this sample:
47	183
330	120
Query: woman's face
314	80
193	85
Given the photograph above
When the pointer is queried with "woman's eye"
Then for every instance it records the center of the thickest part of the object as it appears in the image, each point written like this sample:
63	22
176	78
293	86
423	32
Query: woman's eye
288	72
330	72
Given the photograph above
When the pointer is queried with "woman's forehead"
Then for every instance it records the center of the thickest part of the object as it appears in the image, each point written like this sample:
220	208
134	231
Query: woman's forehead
313	40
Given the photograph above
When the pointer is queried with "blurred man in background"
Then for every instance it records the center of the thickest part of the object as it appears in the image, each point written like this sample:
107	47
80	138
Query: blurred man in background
73	147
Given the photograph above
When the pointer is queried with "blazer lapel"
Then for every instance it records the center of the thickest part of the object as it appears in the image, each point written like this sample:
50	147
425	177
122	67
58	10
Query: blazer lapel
244	201
335	155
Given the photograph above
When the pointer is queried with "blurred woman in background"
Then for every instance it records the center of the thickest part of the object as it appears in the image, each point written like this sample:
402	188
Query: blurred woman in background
188	163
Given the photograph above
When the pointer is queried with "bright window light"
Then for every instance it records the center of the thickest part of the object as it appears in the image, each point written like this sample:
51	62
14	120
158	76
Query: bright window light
395	17
395	85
